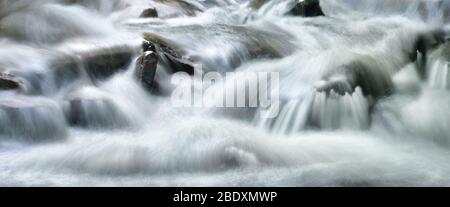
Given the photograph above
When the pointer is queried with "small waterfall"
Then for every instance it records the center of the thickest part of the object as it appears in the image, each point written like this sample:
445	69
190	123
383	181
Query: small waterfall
294	116
321	110
90	108
439	75
437	68
332	111
31	120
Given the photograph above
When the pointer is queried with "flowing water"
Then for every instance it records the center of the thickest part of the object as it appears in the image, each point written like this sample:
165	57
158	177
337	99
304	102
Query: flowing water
129	137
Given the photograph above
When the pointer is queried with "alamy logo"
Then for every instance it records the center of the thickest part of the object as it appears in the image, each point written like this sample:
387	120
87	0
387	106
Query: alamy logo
229	90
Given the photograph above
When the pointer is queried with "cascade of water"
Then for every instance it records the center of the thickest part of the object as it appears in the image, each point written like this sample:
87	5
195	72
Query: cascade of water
353	110
439	75
437	68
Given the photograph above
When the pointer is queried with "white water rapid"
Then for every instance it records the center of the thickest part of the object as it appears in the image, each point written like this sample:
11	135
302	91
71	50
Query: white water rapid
383	121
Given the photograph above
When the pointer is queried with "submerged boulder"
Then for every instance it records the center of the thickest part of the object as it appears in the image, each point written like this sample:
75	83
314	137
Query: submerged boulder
149	13
103	64
93	113
8	82
97	65
307	8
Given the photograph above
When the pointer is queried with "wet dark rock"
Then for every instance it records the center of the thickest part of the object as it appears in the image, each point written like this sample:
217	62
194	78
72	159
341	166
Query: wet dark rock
307	8
103	64
146	69
93	113
149	13
98	65
157	51
8	82
169	54
148	46
146	66
85	67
